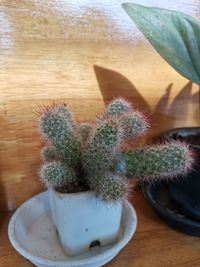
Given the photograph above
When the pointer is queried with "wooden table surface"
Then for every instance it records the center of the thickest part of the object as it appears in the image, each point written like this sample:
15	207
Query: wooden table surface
86	52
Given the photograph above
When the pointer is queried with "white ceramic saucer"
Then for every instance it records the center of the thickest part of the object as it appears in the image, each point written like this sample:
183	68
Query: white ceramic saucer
33	234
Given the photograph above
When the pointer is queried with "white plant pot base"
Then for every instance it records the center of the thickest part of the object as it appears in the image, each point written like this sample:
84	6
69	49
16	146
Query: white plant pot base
33	234
83	220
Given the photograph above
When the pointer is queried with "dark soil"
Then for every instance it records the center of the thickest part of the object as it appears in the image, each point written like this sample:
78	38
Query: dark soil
72	188
191	139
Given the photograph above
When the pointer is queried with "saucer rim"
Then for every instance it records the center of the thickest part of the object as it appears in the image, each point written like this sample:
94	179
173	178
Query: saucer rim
113	250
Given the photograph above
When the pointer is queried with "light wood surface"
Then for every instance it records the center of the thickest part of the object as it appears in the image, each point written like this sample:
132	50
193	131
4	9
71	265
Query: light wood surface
154	244
85	52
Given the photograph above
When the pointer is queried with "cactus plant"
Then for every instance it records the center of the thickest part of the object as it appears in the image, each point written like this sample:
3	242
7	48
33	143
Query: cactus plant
91	156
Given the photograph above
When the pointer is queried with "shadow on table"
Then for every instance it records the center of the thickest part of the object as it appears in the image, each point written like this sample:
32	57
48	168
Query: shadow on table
165	114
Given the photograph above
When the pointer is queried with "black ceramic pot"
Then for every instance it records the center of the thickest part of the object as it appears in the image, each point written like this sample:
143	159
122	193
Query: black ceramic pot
190	135
179	203
186	191
159	197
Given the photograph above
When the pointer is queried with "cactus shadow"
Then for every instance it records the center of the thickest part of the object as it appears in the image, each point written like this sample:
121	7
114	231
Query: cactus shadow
182	97
177	111
113	84
164	115
196	99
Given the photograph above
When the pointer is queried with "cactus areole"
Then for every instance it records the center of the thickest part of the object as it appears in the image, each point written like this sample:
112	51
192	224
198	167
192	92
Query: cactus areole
88	171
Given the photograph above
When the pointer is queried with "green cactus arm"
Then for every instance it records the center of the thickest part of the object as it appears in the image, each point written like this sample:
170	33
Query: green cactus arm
84	131
160	161
58	127
101	150
110	187
134	124
58	175
133	121
118	107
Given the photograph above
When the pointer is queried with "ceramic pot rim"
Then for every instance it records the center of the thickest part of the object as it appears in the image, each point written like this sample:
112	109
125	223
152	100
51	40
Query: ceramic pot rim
82	193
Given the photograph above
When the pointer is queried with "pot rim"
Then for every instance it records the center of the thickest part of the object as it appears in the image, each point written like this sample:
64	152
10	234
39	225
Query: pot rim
82	193
127	235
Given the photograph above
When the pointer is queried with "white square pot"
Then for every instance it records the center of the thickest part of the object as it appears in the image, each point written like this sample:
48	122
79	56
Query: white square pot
83	220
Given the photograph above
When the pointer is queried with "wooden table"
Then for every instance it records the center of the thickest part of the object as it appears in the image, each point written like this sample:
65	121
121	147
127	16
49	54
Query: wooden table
85	52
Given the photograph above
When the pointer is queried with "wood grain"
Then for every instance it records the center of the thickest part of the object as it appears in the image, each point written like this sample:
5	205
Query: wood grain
154	243
85	53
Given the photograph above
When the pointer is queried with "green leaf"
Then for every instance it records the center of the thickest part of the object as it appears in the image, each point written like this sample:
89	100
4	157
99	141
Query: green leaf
174	35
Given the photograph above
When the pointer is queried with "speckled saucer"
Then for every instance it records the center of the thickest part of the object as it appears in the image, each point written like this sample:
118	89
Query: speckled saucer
33	234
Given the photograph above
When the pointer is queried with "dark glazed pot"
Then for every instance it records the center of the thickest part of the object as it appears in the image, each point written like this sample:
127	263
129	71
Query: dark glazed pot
190	135
186	192
179	203
159	198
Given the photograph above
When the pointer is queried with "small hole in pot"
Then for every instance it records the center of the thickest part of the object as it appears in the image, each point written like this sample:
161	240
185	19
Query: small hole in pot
56	231
95	243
